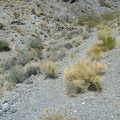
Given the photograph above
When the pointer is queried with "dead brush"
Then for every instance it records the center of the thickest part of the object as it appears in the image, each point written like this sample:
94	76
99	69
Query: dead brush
83	74
48	67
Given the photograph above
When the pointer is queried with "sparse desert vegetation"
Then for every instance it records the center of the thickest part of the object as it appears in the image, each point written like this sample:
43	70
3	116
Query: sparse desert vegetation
4	46
83	75
52	50
16	74
106	42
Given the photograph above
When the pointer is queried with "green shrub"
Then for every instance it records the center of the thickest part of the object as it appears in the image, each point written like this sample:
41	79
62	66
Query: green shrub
16	15
23	58
9	63
32	70
1	25
36	44
89	20
4	46
107	44
92	23
108	16
48	67
16	74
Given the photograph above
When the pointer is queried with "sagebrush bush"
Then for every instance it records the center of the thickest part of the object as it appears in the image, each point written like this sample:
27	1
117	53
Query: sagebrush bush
32	69
37	46
82	75
108	43
24	57
9	63
4	46
48	67
16	74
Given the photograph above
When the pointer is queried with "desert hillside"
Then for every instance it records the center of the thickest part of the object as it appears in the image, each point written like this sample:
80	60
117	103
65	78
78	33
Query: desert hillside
59	60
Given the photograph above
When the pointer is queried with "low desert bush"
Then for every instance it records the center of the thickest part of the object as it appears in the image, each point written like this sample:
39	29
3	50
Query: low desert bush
23	58
108	43
9	63
32	69
82	75
95	52
89	20
109	16
48	67
92	23
37	46
1	26
4	46
16	74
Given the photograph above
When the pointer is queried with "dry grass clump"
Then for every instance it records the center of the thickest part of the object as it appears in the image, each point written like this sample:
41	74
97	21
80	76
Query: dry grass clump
54	116
48	67
82	75
104	33
108	43
95	52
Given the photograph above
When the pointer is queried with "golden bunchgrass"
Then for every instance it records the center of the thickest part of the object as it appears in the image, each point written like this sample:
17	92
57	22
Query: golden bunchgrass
95	52
48	67
82	75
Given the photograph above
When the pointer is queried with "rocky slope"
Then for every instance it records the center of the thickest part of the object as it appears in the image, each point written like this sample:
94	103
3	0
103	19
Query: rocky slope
55	24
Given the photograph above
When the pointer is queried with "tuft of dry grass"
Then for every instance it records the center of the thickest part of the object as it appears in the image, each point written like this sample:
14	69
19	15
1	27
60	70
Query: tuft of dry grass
104	33
54	116
48	67
82	75
94	52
